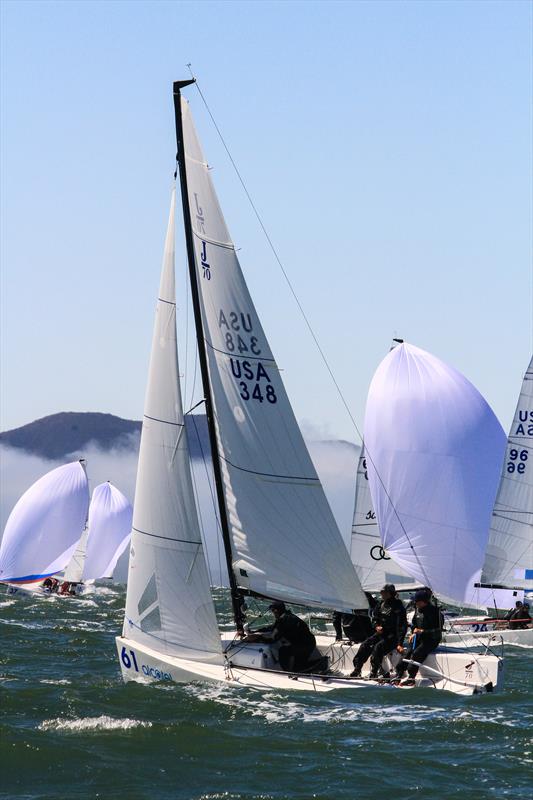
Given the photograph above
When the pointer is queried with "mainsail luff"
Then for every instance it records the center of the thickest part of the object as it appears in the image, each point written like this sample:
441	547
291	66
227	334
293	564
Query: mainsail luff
236	596
509	556
285	542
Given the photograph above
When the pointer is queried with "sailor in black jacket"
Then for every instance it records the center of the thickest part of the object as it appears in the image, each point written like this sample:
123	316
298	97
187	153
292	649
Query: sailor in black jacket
297	641
390	626
426	635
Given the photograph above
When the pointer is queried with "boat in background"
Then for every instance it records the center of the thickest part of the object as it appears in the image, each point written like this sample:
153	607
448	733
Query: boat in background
433	454
507	572
103	541
44	528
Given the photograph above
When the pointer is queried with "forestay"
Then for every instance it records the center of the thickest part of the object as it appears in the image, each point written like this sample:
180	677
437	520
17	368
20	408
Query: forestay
45	525
110	516
285	542
509	557
168	603
434	452
373	564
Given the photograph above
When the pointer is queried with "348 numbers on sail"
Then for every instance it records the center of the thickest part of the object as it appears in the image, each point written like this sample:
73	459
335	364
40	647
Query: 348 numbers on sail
250	373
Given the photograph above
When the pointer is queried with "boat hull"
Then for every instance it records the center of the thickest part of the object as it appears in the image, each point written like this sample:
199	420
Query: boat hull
244	666
489	638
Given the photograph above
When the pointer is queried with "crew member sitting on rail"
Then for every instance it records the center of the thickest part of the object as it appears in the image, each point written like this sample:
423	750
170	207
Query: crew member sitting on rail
390	625
297	640
425	637
518	616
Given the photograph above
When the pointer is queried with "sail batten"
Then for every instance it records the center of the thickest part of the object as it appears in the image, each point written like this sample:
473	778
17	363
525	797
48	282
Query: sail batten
283	537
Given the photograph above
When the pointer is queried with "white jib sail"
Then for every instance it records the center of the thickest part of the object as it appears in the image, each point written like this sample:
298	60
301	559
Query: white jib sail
285	541
373	564
45	525
110	517
434	452
74	568
168	602
509	556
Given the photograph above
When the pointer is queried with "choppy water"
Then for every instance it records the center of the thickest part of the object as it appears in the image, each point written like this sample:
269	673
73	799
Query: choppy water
71	728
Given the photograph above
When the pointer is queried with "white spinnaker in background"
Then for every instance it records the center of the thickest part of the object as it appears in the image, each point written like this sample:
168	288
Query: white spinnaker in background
371	561
285	541
45	525
168	601
110	518
434	452
509	556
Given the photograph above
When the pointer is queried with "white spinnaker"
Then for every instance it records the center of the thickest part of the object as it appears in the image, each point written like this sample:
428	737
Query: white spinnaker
285	541
74	568
434	452
372	563
509	556
168	602
110	518
45	525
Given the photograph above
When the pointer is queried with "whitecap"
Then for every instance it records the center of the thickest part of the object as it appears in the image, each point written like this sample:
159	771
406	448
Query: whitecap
84	724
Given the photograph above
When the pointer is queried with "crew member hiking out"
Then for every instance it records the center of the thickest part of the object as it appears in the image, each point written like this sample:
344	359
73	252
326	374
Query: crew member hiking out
390	626
297	641
426	633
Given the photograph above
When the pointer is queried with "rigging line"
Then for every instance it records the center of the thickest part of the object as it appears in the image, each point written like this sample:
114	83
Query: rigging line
304	316
187	291
276	256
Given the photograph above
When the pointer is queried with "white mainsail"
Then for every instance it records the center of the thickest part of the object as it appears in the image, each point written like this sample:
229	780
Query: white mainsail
45	526
373	564
168	603
434	452
110	517
285	541
509	556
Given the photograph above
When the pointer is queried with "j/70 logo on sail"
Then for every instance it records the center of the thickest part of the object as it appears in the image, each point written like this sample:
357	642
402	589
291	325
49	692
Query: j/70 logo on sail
129	660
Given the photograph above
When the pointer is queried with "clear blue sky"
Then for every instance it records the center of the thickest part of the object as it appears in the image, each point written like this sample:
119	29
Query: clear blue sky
386	144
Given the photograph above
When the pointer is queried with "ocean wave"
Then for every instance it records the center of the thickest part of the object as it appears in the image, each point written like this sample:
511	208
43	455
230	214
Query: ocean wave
84	724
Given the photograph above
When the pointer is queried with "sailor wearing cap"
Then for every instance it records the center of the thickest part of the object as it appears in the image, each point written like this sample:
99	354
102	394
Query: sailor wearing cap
426	633
390	626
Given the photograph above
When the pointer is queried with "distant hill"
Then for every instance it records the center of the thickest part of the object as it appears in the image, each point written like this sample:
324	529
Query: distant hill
59	435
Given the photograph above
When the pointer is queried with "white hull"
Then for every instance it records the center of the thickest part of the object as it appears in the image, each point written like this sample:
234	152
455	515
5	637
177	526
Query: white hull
472	636
29	590
244	665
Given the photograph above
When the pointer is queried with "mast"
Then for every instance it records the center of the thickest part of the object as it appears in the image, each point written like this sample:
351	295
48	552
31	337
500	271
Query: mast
236	596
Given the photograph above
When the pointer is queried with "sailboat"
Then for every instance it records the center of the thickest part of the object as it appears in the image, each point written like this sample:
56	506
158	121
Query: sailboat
104	539
279	535
44	528
508	567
